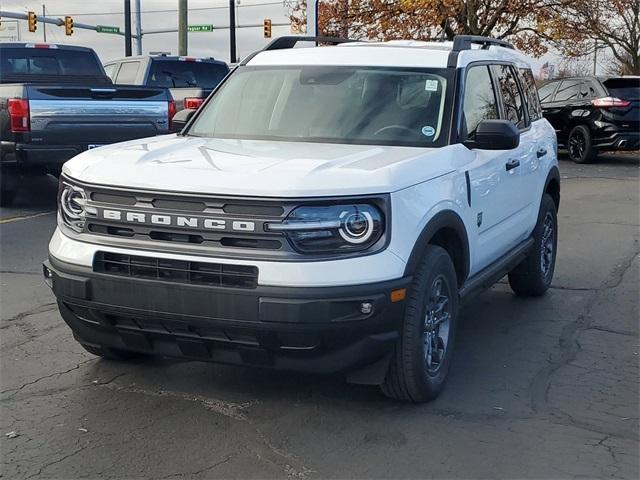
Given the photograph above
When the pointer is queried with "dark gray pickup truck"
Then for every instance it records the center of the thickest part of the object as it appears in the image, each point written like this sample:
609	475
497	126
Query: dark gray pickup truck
57	101
189	79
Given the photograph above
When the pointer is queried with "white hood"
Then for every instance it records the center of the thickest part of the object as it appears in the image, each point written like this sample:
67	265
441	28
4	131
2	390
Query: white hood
256	168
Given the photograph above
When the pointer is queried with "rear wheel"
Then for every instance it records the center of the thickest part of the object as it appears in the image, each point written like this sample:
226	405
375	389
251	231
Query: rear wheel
419	367
111	353
579	145
8	186
533	276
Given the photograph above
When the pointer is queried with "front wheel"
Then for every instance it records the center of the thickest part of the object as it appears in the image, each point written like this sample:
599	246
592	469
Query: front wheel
532	277
419	367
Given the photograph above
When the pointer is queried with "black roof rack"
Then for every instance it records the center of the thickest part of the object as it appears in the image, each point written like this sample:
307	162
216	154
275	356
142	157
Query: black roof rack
290	41
464	42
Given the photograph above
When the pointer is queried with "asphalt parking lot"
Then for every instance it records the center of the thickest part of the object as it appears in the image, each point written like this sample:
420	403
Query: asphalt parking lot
539	388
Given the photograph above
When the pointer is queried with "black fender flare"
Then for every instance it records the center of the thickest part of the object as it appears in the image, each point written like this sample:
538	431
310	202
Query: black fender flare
554	174
443	219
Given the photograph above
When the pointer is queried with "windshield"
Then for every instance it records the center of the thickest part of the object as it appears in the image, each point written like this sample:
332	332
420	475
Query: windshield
379	106
176	73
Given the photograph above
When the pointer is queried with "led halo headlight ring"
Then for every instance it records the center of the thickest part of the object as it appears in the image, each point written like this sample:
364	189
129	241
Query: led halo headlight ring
72	202
356	227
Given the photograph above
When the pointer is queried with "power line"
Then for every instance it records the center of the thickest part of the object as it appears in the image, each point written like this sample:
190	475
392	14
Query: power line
172	10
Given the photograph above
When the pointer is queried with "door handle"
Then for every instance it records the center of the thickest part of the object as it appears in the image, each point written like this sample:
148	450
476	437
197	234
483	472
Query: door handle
541	153
511	164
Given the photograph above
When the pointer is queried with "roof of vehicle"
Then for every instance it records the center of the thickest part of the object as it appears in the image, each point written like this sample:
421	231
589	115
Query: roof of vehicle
53	46
394	53
166	57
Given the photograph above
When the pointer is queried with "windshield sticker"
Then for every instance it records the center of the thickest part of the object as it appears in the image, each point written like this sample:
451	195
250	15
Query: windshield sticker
431	85
428	131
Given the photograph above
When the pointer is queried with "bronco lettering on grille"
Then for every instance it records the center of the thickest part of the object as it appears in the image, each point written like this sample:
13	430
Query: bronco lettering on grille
180	221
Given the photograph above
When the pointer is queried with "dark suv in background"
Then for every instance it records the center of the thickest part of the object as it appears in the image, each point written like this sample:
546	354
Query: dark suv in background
592	114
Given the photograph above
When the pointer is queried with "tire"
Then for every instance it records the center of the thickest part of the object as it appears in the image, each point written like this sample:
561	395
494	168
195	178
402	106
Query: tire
8	187
111	353
7	197
579	145
533	276
413	375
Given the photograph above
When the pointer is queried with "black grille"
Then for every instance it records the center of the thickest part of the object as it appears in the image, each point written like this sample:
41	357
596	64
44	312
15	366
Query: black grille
216	274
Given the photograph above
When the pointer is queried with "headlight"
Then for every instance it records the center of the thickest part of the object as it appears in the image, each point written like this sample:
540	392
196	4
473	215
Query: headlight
332	228
72	204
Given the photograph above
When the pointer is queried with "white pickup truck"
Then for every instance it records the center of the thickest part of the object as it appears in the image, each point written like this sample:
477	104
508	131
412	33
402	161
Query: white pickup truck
326	210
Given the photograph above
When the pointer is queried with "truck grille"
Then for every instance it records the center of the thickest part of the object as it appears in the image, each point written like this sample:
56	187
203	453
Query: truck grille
179	271
177	223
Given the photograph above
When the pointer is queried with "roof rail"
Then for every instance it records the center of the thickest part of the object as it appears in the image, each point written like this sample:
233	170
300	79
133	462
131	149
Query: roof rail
290	41
464	42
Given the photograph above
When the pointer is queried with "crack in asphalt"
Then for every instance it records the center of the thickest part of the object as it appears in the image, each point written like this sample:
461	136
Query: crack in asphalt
202	470
568	339
33	382
46	307
61	459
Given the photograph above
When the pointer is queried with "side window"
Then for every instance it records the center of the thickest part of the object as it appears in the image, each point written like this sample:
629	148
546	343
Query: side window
569	90
511	95
110	70
128	73
546	91
588	90
479	98
531	94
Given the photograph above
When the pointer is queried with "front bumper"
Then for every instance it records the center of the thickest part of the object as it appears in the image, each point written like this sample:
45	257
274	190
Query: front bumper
309	329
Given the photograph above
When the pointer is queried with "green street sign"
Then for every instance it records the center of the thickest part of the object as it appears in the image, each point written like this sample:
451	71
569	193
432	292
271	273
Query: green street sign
107	29
200	28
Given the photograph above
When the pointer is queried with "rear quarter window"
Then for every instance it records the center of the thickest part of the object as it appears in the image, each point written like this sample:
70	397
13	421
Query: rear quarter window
531	94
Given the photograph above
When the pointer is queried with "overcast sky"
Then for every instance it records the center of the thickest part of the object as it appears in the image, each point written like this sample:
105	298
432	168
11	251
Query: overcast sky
215	12
110	12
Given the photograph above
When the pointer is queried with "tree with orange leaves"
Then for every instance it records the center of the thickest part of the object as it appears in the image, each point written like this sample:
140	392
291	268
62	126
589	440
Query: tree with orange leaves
570	26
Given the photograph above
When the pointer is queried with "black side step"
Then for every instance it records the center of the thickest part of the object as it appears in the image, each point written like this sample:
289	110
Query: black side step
494	272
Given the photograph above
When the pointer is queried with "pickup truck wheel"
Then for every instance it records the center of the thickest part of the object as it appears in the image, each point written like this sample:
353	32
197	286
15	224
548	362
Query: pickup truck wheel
8	186
421	361
533	276
111	353
579	145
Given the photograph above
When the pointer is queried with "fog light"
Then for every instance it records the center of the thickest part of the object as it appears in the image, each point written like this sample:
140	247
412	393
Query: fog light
48	276
366	308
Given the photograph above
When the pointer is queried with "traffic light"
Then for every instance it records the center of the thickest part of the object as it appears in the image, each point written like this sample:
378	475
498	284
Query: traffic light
33	21
267	27
68	25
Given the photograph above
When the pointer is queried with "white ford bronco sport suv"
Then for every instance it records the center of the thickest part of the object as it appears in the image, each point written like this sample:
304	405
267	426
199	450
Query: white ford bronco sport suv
326	210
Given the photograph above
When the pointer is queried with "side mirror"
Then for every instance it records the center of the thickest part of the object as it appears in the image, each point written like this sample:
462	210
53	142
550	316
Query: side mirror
495	135
181	118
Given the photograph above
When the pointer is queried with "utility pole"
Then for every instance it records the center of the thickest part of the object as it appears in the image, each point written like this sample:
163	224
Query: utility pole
595	56
44	25
127	28
183	12
232	31
138	28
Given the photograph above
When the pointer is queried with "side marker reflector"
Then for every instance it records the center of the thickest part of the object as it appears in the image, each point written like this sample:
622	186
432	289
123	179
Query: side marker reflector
398	295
